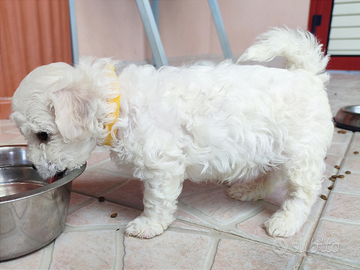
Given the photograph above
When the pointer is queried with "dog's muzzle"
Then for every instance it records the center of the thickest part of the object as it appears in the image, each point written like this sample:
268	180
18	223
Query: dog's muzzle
55	177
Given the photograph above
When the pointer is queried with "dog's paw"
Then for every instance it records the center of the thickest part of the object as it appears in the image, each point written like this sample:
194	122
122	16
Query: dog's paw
142	227
245	192
282	225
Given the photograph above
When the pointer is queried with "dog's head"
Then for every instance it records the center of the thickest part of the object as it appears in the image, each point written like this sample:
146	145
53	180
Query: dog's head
55	108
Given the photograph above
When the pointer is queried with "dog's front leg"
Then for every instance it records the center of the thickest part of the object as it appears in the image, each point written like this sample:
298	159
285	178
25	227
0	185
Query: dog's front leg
160	198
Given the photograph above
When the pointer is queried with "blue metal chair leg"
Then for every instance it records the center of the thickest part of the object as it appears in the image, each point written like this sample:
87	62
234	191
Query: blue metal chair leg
150	23
214	7
74	35
152	33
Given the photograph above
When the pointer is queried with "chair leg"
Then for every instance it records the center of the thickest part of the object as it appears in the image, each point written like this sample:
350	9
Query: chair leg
214	7
152	33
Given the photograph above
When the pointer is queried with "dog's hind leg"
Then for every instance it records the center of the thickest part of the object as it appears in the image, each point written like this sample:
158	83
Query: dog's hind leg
160	198
304	182
257	189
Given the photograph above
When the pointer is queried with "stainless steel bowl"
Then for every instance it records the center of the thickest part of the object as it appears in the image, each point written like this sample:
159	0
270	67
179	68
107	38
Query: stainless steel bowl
348	117
32	211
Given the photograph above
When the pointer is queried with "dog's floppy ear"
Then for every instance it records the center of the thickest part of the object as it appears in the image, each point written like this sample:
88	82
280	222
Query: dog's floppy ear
74	113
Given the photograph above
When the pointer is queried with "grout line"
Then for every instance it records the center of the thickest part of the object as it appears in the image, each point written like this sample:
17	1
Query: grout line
341	221
123	247
231	229
115	173
80	205
212	231
98	163
268	205
112	188
197	213
103	227
104	191
120	249
218	234
223	226
297	261
203	226
215	235
333	260
46	259
340	261
95	197
187	221
211	254
345	192
262	206
347	150
302	261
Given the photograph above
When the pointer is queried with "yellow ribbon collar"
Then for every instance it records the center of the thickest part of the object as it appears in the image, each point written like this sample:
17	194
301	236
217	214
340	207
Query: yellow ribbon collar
115	87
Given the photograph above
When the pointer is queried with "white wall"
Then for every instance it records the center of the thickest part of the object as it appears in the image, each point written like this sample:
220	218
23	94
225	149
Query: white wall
114	27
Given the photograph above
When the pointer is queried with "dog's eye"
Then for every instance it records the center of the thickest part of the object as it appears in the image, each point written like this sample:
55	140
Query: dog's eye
42	136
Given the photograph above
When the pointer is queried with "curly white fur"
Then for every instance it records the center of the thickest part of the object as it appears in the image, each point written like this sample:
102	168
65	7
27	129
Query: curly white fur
247	124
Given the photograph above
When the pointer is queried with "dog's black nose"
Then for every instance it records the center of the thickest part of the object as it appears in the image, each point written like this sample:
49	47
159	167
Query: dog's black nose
33	166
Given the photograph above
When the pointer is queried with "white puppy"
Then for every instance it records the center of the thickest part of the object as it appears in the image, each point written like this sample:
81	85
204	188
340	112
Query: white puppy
230	123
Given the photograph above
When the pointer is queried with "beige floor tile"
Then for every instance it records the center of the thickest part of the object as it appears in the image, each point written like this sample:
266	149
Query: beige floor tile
97	157
356	140
253	256
108	165
85	250
99	213
172	250
351	164
30	261
182	214
218	206
351	183
311	263
191	187
92	182
129	194
255	227
340	137
76	198
343	207
337	240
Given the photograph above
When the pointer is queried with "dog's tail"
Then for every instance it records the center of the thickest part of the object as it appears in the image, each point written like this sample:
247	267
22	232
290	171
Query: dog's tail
300	49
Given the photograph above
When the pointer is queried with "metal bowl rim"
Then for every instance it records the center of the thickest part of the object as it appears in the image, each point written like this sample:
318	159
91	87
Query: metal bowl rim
19	146
24	195
346	109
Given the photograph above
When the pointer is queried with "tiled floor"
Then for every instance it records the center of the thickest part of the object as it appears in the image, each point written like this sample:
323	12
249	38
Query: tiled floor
211	231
